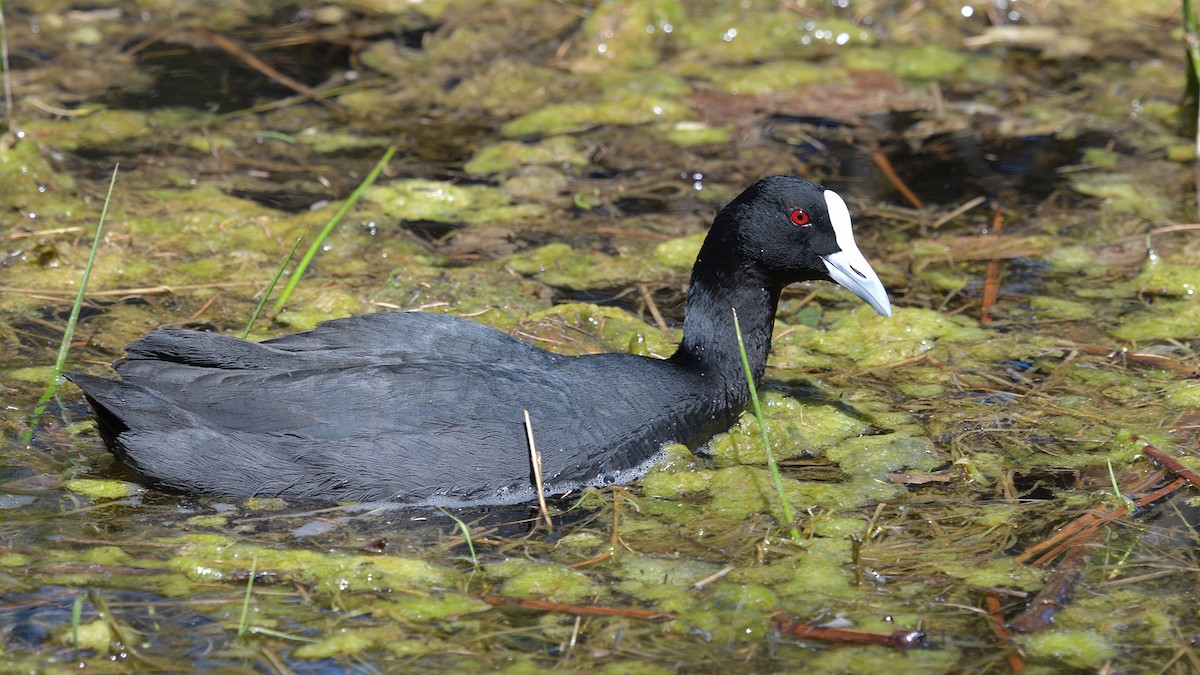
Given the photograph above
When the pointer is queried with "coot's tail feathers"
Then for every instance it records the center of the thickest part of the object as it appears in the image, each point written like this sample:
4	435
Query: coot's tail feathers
204	350
122	406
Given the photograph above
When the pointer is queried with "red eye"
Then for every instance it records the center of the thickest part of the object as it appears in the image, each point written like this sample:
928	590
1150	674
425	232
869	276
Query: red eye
800	218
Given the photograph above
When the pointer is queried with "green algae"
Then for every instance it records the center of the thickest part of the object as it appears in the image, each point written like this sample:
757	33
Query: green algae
524	579
689	134
730	612
560	265
562	151
1074	648
874	457
909	333
998	426
444	202
343	642
1124	193
95	635
796	429
100	489
1159	277
567	117
680	253
1162	320
773	77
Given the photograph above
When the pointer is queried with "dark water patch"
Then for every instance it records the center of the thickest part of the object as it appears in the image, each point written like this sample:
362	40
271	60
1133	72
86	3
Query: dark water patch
284	200
668	300
210	79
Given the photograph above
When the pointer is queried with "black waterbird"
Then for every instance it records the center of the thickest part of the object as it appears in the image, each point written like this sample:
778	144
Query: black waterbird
428	409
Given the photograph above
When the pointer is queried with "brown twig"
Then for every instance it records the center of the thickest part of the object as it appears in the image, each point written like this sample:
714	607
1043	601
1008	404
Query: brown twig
991	280
992	603
235	49
1054	594
205	306
1135	358
1171	463
901	639
889	172
652	306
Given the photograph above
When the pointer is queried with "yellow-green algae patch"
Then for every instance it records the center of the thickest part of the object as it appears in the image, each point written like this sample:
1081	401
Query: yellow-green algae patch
874	341
1046	307
343	642
211	557
428	607
1162	320
444	202
680	253
772	77
565	117
95	635
1076	648
100	489
737	34
796	429
560	265
560	151
1159	277
525	579
730	612
604	329
664	582
873	457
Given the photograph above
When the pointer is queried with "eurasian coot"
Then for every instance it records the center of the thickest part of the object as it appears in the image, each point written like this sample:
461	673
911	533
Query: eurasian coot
428	409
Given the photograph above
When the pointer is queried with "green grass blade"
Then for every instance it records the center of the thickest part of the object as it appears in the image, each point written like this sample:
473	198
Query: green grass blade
69	332
466	535
271	286
76	620
337	218
244	621
772	466
5	71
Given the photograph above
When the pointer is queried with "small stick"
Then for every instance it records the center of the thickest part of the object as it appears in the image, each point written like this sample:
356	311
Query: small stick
1171	463
991	282
992	602
235	49
901	639
205	306
1054	594
650	305
885	165
536	458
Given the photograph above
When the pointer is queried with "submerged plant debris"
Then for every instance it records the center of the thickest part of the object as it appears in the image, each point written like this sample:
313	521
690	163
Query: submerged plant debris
557	166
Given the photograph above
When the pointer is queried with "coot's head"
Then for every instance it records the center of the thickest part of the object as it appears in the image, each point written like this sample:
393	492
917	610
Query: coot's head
793	229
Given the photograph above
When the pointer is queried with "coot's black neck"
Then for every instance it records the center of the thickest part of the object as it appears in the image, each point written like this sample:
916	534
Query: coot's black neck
721	283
